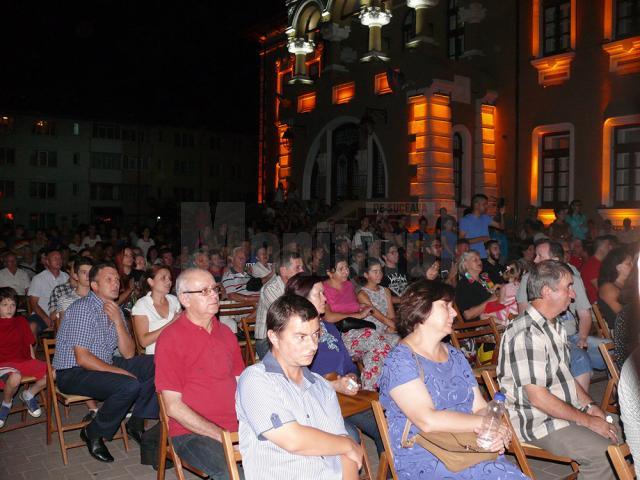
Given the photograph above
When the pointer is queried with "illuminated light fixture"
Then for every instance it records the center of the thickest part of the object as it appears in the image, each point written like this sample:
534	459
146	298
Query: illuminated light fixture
300	48
381	84
375	17
344	93
306	102
368	122
9	216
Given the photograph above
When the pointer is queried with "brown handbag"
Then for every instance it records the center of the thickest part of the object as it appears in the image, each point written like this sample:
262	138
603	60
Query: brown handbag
458	451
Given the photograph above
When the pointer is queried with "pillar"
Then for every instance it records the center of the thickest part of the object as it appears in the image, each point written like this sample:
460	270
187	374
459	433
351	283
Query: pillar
422	9
300	48
375	18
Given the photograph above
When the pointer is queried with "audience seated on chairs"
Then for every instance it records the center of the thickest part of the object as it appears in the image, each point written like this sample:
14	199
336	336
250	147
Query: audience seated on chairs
17	359
12	276
156	309
547	407
236	278
290	264
430	384
64	295
197	362
582	361
332	357
85	363
291	425
40	291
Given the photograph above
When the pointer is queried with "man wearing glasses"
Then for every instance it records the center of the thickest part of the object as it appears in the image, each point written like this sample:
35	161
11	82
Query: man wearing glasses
197	362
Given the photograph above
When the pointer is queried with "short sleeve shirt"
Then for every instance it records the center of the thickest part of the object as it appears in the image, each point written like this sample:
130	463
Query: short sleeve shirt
269	293
590	271
236	282
267	400
43	284
473	227
16	340
470	294
145	307
203	367
19	281
535	351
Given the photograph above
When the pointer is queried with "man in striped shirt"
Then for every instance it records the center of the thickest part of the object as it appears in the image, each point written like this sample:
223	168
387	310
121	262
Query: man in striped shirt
548	408
291	426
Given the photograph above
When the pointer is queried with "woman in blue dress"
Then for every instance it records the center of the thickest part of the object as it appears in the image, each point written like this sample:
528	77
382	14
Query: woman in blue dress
448	400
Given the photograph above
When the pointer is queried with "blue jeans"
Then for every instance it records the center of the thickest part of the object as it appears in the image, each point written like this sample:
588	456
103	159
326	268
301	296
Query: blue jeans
203	453
366	422
597	362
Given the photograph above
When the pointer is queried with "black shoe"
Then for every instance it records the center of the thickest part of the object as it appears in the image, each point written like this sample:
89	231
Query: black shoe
89	416
97	448
134	433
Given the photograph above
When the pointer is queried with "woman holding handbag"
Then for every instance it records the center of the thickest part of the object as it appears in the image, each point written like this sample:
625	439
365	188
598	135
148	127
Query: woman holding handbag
427	386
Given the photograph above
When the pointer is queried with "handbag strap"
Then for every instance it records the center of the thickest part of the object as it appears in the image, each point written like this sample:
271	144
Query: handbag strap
405	441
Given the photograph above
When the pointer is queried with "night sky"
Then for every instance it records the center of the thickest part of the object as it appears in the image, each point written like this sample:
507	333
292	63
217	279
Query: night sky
187	63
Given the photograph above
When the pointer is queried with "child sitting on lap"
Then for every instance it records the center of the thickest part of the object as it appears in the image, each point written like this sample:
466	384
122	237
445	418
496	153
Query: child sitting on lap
17	359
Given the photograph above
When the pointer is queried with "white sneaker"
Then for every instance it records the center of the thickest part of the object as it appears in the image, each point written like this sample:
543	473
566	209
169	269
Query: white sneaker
33	407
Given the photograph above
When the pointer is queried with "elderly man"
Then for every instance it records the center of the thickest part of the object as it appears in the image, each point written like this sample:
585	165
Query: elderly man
547	406
290	420
290	264
85	364
235	278
12	276
197	362
40	290
579	338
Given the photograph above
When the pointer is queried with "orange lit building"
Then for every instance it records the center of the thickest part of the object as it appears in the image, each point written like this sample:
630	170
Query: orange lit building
431	101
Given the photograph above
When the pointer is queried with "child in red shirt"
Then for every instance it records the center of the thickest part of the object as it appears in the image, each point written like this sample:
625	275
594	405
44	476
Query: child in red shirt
17	359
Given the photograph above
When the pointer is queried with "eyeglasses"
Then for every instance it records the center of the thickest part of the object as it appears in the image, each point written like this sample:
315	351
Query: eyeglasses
206	291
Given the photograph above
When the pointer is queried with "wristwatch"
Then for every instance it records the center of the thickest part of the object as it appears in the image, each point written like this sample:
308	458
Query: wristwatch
585	408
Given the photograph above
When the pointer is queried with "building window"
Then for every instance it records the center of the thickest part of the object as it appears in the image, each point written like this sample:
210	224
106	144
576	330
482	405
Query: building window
6	124
104	191
42	220
455	29
307	102
44	159
556	26
183	140
409	27
381	84
76	159
626	175
76	128
458	159
106	131
106	160
42	190
627	18
344	93
215	143
135	163
7	189
7	156
555	154
44	127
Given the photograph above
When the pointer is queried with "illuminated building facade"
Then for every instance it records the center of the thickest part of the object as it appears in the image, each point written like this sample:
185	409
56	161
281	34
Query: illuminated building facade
431	101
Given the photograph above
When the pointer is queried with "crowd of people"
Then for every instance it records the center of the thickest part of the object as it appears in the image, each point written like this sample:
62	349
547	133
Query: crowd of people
338	311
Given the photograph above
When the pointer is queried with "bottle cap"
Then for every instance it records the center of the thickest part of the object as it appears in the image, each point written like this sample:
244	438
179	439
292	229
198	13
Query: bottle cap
499	397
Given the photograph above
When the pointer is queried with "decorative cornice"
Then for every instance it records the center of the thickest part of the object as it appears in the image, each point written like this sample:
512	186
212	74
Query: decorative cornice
554	69
374	16
624	55
300	46
416	4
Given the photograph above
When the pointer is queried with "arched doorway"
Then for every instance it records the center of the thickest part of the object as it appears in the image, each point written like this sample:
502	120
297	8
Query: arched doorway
344	165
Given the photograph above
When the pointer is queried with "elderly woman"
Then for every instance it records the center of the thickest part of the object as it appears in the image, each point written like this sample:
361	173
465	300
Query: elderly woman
476	297
430	383
333	357
614	271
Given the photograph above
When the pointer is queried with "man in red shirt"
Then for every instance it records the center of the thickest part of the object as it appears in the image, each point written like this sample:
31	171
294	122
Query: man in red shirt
591	268
197	362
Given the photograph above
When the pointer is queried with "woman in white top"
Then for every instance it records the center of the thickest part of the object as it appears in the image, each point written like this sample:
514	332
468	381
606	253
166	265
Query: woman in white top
145	242
157	309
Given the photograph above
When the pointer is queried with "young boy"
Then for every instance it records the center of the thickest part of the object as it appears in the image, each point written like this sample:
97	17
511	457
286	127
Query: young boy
17	359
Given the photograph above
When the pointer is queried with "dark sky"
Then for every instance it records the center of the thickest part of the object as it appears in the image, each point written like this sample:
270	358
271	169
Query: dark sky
183	62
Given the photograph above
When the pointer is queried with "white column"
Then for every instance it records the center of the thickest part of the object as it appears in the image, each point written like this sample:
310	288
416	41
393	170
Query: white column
300	48
375	18
422	35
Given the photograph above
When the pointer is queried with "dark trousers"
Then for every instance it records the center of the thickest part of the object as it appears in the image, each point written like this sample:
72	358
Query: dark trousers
41	325
203	453
118	392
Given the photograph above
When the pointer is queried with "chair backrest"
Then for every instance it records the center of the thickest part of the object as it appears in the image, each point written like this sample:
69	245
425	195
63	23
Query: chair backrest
230	309
602	325
140	350
491	382
248	324
383	428
478	328
618	454
232	455
49	345
608	398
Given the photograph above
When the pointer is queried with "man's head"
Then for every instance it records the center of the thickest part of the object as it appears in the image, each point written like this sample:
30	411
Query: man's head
198	293
422	223
54	260
434	247
11	262
462	246
577	248
364	223
479	203
290	265
238	259
548	250
81	269
104	280
550	286
293	330
443	212
493	250
201	260
390	254
262	255
166	256
602	246
342	247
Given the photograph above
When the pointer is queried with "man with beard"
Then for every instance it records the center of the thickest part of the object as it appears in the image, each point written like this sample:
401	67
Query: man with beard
491	265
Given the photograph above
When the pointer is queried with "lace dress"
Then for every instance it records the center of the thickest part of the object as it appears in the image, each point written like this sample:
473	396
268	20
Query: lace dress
450	385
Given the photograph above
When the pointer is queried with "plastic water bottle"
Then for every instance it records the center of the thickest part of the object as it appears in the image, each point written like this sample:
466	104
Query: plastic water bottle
491	421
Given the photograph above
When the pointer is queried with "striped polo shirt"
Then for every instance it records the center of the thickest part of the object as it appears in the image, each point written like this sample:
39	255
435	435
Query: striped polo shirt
534	351
267	399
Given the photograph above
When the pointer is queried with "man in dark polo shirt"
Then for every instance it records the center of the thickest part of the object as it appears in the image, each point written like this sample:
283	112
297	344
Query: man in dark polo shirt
491	265
197	362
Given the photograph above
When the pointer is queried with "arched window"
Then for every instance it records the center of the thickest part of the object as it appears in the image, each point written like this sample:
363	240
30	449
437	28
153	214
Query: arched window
409	27
458	159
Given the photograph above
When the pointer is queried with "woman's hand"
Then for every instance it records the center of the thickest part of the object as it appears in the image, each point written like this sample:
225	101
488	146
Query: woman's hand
502	440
